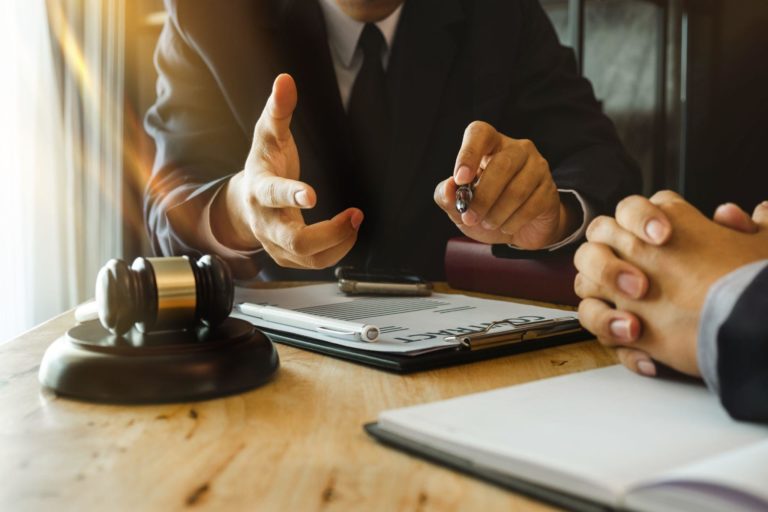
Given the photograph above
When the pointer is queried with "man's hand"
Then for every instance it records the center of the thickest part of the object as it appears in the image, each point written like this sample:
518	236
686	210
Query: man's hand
261	205
655	262
515	201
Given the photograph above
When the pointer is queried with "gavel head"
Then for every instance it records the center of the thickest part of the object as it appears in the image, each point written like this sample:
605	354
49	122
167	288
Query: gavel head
158	294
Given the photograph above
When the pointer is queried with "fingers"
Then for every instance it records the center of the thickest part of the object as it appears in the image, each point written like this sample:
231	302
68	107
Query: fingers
605	230
275	192
480	140
316	246
543	202
666	196
618	329
606	276
275	121
610	326
760	215
445	197
644	219
733	217
507	182
637	361
587	288
515	200
515	189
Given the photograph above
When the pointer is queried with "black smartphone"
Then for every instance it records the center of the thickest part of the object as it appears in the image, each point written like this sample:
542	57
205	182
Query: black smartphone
354	281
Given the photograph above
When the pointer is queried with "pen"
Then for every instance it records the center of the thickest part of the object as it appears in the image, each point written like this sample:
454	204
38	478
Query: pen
485	338
464	195
321	324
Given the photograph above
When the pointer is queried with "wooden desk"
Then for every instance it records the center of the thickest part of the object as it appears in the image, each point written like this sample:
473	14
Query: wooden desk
296	443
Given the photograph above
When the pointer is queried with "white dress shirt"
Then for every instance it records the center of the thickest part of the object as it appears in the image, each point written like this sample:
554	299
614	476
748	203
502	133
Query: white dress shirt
343	35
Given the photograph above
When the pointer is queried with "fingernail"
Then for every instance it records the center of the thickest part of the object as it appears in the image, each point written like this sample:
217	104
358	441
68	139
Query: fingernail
721	207
463	175
620	329
656	230
356	220
301	198
487	225
764	204
629	284
646	367
469	218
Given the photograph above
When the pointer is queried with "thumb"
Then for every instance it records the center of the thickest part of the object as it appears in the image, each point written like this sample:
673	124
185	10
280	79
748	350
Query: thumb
276	192
731	216
760	215
275	120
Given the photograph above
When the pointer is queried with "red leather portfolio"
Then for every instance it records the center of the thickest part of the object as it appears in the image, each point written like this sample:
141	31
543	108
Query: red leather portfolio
534	275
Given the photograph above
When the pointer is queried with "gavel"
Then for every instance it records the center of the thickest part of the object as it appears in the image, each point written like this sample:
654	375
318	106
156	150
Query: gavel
159	294
163	334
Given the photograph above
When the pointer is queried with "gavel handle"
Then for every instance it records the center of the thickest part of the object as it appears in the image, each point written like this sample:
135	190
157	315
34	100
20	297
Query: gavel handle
87	311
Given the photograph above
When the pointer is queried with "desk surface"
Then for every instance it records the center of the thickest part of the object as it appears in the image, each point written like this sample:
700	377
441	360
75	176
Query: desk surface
296	443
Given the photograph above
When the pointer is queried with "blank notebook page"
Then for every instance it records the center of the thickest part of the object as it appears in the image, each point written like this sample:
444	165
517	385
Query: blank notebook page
605	429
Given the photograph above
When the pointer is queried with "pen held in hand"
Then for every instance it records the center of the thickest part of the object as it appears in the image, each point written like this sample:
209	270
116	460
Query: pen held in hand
464	195
324	325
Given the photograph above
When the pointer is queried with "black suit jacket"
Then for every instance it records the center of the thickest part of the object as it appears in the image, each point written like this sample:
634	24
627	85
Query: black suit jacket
452	62
742	345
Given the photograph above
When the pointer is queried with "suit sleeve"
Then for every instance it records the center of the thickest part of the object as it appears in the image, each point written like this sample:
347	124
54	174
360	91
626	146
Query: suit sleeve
556	108
742	354
199	145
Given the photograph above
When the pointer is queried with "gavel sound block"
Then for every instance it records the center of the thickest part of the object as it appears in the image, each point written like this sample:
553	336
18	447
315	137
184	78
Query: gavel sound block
164	335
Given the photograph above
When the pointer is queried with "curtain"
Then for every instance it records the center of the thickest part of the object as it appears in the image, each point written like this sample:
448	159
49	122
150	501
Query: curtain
61	101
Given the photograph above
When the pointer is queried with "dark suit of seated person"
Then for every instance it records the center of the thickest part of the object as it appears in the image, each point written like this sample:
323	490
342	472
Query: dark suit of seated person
661	282
385	104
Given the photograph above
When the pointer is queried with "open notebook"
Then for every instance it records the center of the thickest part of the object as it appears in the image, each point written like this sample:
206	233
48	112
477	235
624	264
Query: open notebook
599	438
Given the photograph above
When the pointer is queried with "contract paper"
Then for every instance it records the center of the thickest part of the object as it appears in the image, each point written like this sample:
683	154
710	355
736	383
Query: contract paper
409	325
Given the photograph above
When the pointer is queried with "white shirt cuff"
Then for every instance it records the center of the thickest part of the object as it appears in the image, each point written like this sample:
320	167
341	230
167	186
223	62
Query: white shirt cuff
721	298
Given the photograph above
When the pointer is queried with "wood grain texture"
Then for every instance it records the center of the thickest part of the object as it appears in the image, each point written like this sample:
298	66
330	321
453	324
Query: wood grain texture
296	443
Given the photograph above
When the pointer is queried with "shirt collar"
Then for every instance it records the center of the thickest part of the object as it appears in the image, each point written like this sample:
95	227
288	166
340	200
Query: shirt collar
344	32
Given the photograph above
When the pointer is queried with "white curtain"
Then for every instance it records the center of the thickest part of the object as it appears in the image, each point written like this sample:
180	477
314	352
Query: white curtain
60	153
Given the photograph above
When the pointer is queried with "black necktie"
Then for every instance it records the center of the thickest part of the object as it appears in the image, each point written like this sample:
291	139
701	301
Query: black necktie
369	120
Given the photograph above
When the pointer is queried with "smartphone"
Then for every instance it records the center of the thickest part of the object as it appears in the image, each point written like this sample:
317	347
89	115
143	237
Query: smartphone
353	281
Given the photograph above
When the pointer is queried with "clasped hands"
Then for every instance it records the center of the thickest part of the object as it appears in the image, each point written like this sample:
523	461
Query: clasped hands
645	274
516	200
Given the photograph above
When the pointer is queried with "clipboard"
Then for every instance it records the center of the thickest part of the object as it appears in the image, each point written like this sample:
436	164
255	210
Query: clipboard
478	346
